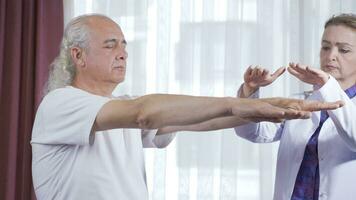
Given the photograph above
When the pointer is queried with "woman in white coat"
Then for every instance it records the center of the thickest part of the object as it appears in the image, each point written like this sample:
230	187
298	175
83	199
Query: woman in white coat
317	156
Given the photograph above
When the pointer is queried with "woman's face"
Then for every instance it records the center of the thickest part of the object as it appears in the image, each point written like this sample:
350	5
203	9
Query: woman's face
338	54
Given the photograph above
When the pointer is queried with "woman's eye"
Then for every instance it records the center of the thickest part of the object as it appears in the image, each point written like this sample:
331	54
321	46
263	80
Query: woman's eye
325	48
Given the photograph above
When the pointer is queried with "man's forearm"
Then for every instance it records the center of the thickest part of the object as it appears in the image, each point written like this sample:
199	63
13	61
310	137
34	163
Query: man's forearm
160	110
165	110
210	125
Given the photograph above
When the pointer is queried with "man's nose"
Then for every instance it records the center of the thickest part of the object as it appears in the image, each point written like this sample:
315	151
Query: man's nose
121	54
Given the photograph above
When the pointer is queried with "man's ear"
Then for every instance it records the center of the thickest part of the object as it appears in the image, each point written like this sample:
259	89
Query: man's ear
77	56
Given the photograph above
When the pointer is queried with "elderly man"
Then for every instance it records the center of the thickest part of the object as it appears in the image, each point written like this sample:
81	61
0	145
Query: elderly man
81	146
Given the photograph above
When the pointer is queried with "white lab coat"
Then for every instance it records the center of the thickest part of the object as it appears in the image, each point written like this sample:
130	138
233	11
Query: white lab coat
336	146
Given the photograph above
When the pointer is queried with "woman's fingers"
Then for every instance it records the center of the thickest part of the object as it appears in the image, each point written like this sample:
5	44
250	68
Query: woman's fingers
294	72
249	71
259	71
278	72
265	72
312	71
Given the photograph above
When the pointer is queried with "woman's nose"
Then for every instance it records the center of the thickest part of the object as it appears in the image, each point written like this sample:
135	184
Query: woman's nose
333	54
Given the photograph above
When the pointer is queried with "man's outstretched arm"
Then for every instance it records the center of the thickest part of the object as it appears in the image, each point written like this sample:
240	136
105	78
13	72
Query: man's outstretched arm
233	121
161	110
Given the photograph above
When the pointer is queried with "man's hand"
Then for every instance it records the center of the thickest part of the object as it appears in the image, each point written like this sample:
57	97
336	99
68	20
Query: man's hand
257	110
308	74
279	109
257	77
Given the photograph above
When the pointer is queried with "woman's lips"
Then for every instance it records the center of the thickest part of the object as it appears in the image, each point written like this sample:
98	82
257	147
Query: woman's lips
330	67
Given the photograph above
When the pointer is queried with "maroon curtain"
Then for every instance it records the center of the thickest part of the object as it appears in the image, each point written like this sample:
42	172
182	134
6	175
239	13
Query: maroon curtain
30	33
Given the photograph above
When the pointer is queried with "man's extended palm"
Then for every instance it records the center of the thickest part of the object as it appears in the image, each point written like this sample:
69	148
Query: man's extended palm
279	109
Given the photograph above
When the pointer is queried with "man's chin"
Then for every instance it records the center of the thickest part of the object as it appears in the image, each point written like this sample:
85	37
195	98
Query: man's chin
120	80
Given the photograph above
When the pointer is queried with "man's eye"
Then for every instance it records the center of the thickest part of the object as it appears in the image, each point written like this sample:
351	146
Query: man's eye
325	48
344	50
110	45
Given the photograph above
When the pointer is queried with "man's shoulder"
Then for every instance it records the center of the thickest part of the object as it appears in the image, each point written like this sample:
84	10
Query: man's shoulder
68	90
68	93
68	97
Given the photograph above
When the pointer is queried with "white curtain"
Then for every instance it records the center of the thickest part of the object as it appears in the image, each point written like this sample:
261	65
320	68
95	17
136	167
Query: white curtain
202	47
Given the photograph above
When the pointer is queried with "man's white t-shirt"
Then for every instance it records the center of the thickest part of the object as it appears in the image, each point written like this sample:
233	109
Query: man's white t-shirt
71	163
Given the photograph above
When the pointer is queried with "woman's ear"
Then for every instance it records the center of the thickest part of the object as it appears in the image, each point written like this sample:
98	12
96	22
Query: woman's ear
77	56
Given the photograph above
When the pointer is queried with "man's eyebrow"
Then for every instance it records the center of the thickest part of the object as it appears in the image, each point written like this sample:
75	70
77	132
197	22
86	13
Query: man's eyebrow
113	40
110	41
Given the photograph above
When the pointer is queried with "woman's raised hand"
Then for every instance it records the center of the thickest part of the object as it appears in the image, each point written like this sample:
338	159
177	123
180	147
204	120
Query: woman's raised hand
308	74
256	77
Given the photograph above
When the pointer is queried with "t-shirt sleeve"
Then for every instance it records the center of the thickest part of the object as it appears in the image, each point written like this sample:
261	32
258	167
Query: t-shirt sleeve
150	139
66	116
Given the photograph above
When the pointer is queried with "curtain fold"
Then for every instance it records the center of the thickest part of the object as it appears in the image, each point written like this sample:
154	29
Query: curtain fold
30	33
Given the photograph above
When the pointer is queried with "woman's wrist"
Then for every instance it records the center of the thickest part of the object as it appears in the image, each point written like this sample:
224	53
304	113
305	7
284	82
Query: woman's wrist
247	90
323	80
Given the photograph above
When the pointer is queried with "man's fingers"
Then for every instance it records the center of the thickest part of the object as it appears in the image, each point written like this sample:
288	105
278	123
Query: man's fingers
278	115
293	114
316	105
303	105
275	112
274	120
279	109
258	109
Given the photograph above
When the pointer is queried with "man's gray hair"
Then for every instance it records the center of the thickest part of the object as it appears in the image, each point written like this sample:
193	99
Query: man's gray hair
76	34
